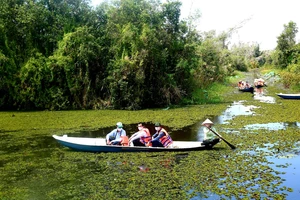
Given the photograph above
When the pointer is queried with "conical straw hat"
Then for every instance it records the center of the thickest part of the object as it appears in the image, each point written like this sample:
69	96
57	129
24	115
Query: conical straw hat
207	121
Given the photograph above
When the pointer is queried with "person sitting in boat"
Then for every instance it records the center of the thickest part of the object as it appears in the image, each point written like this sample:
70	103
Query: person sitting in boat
209	136
142	137
115	137
161	138
241	85
259	84
247	85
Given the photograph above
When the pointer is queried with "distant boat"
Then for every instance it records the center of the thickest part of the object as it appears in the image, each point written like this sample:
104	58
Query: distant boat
250	89
289	96
99	145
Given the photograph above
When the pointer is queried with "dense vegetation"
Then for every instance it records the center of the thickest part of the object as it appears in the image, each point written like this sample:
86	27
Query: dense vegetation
124	54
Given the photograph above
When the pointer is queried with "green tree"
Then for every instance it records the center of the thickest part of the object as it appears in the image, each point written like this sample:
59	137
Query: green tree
127	54
77	54
245	56
214	64
152	46
285	41
8	71
34	83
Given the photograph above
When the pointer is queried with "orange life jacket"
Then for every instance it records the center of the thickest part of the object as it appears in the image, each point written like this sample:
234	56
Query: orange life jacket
124	141
165	140
242	84
145	139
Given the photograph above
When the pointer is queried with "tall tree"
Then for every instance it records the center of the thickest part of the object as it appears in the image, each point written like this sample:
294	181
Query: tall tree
8	71
77	54
285	41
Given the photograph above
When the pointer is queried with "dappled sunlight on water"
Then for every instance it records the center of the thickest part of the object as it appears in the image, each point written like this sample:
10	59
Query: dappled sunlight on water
265	99
273	126
290	171
236	109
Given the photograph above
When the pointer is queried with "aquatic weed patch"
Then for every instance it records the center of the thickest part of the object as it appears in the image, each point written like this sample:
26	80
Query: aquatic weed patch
280	111
93	119
75	175
232	176
34	166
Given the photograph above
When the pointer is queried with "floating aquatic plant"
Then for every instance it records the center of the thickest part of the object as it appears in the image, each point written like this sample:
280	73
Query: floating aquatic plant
34	166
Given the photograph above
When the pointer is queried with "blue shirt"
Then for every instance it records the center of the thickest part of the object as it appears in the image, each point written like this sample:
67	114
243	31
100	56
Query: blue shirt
157	136
115	135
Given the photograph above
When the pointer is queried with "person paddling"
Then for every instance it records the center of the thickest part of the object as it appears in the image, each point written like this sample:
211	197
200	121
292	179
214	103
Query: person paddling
259	84
209	136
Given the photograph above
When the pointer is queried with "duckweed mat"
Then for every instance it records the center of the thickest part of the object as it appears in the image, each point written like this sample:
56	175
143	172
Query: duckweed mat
34	166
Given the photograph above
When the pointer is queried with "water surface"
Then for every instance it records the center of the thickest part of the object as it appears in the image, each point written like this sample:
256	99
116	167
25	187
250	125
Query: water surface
188	133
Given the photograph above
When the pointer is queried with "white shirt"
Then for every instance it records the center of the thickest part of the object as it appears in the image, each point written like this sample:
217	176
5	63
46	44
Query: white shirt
137	135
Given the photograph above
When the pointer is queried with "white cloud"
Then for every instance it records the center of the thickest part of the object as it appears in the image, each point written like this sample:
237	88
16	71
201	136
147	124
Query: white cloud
267	18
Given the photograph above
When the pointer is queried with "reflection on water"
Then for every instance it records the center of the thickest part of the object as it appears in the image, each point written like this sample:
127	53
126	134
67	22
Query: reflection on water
286	162
291	172
265	99
237	108
273	126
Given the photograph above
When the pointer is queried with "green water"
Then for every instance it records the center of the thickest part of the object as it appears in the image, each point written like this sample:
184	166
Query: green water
34	166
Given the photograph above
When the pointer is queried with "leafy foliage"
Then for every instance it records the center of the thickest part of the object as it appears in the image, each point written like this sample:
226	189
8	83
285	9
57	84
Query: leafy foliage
285	43
34	77
291	75
123	54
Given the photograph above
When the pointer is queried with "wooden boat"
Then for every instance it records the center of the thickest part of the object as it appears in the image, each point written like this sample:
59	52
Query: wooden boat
99	145
250	89
289	96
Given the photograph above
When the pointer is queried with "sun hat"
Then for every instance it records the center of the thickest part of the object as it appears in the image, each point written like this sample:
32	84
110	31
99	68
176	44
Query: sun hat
157	124
207	121
119	125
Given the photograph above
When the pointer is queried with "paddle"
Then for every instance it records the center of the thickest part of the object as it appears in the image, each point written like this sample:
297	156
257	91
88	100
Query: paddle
217	134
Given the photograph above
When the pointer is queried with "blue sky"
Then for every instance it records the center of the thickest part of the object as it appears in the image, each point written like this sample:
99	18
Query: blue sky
265	19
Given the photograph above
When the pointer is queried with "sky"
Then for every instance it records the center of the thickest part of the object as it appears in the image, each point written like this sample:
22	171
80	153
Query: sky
263	19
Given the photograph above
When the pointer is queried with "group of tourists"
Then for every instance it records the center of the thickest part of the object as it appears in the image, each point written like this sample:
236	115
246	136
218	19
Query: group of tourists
243	85
258	84
142	137
161	138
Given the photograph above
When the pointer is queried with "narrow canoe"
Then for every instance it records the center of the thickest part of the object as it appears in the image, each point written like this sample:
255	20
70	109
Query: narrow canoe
289	96
250	89
99	145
